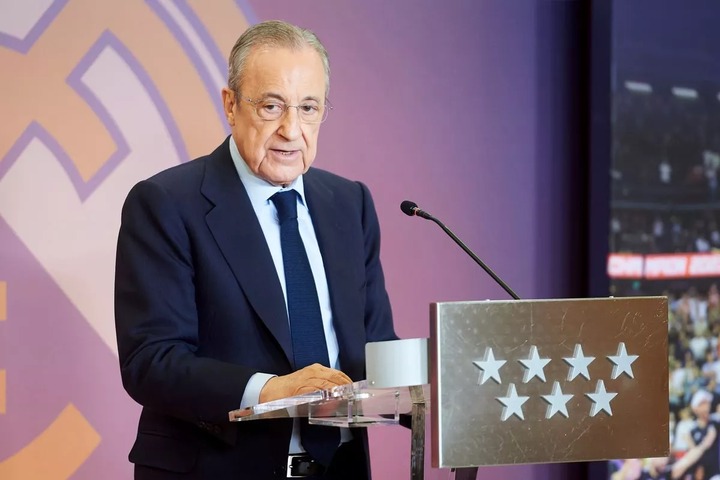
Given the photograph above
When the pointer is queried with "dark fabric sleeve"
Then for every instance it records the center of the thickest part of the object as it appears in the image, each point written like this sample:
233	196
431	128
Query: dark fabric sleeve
378	313
157	320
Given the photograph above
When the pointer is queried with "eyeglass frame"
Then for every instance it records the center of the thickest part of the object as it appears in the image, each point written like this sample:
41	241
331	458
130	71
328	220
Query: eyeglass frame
327	106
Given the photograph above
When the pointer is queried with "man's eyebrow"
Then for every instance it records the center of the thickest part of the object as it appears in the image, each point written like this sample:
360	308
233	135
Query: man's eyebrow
272	95
277	96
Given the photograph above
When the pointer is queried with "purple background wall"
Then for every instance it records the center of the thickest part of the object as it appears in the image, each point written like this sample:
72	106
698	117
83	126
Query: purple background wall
471	108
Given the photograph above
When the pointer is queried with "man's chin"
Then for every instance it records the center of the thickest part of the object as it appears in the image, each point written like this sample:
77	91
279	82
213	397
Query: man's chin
282	178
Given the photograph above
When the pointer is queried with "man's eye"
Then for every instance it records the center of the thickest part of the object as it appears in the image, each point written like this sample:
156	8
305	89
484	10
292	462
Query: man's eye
309	108
272	107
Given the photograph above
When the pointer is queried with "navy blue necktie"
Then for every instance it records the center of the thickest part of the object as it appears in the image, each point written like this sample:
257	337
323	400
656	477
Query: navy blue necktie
306	326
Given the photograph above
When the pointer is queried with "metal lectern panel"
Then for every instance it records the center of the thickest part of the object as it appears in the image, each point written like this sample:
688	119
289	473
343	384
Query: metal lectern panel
548	381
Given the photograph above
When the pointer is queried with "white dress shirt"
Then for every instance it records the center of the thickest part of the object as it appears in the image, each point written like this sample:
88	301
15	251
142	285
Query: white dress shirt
260	191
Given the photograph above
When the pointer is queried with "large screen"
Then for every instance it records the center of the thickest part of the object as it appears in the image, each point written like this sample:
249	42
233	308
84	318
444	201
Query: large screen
664	216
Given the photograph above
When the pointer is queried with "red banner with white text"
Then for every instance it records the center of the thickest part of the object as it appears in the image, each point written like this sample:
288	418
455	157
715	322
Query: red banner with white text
663	266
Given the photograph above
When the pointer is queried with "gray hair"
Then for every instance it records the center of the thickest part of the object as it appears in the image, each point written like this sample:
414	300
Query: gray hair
273	33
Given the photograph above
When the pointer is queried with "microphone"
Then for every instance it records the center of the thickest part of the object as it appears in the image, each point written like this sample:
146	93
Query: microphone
411	209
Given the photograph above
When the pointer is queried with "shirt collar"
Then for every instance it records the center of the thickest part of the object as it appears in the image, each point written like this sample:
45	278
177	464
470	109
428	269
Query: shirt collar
260	190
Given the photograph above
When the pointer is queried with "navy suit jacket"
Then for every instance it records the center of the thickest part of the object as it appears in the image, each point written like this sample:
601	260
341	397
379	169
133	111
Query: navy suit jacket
199	309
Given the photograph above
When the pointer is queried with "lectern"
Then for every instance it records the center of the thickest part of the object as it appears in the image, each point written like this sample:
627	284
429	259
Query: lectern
509	382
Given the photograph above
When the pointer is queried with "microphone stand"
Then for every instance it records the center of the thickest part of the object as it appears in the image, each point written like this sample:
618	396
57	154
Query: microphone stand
418	411
467	250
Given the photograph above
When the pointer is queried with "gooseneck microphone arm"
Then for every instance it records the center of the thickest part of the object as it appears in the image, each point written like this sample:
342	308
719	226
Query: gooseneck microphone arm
411	209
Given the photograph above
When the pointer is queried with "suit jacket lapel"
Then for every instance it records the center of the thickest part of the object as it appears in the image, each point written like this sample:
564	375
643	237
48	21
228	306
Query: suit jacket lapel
239	236
333	233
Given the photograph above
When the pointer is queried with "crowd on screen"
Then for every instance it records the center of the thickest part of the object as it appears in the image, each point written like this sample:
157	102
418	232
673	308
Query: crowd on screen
665	168
666	199
694	379
665	147
634	230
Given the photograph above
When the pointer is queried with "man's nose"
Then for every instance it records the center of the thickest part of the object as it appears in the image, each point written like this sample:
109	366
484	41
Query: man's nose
290	123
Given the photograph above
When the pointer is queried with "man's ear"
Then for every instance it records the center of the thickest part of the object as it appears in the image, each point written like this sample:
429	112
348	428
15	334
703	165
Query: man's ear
228	98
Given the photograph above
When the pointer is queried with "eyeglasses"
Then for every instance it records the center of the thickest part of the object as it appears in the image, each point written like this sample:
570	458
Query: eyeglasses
273	109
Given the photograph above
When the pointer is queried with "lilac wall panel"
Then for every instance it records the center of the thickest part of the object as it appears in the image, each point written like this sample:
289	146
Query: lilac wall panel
464	106
441	103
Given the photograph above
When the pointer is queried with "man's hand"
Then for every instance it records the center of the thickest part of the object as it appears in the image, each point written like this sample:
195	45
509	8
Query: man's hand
309	379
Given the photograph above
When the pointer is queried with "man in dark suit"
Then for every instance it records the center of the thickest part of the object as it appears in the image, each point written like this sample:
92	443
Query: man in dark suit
207	302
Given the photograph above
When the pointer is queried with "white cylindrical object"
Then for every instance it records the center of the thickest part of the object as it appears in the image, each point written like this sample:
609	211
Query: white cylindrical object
397	363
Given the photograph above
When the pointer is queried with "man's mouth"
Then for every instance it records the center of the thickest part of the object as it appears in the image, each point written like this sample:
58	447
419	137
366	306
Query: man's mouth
284	152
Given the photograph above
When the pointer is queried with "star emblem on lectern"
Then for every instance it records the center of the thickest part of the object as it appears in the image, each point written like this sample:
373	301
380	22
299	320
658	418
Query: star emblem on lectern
535	365
578	363
623	362
490	367
513	404
601	399
557	401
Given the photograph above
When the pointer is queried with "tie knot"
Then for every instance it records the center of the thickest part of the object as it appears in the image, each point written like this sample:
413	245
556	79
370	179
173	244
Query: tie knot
286	205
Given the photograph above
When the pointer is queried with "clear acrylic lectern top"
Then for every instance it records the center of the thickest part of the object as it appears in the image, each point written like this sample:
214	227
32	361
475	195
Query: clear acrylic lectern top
353	405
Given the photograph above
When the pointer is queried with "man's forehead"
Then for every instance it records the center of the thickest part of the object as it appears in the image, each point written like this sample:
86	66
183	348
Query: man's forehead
280	71
264	56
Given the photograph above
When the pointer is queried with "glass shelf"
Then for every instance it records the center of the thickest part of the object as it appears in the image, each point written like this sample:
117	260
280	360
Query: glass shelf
352	405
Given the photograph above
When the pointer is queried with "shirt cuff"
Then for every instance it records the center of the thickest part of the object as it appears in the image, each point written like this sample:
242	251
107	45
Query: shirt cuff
251	396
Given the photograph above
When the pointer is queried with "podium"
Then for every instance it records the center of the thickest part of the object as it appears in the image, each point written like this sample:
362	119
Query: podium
510	382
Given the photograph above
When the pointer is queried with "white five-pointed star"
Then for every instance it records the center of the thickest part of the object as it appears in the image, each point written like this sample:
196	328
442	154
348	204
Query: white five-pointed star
622	362
513	404
534	365
557	401
489	366
578	363
601	399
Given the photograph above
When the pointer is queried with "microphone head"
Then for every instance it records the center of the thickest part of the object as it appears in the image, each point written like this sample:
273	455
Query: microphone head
408	207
